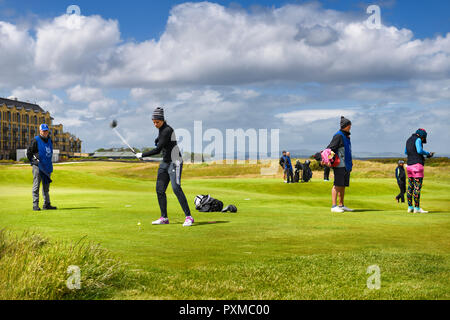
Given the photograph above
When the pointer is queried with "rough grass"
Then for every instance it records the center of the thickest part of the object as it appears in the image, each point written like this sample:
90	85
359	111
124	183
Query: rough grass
322	276
33	267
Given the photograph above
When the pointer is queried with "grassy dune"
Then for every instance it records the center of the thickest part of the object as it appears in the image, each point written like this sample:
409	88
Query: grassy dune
34	267
284	243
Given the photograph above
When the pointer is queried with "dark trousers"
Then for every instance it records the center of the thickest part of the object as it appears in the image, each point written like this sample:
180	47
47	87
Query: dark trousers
401	195
326	173
36	185
170	172
290	175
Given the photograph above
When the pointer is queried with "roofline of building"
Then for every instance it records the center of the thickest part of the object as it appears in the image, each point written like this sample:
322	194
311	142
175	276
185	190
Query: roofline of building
21	104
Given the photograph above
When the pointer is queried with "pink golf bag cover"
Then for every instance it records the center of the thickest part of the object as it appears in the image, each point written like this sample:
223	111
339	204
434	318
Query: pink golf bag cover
329	158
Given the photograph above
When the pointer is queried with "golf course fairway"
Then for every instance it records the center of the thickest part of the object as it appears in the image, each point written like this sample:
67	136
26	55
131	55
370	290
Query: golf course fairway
283	243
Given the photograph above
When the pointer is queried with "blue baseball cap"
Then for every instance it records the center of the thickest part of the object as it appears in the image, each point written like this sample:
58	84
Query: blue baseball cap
44	127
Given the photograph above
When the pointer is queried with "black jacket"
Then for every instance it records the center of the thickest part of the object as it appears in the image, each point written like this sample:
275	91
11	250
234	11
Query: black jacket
34	151
400	175
413	156
165	143
282	162
337	142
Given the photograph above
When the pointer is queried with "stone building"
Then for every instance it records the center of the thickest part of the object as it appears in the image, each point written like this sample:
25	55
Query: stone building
19	124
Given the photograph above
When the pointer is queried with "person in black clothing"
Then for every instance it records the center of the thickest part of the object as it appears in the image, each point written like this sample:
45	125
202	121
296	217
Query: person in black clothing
326	170
282	160
170	168
326	173
401	181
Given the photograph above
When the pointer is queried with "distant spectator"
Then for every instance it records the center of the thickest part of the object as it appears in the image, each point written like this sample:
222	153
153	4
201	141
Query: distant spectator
326	173
326	169
282	159
288	168
401	181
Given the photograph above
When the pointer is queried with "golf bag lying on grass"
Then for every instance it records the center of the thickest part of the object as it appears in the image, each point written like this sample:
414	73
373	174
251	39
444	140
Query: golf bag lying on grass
206	203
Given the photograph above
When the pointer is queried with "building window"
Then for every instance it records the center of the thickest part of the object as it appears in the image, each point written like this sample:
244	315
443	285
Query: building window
28	119
9	116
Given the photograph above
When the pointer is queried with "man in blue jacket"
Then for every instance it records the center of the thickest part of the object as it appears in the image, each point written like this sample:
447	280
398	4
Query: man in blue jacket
40	153
288	168
282	164
341	145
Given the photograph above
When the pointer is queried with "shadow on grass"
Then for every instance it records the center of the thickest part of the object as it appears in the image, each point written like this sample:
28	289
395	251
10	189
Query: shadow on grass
202	223
208	223
79	208
367	210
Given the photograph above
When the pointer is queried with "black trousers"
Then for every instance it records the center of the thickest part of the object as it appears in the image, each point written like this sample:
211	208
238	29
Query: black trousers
401	195
170	172
290	175
326	173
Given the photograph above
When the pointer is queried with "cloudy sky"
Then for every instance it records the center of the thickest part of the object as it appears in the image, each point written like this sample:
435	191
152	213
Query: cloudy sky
296	66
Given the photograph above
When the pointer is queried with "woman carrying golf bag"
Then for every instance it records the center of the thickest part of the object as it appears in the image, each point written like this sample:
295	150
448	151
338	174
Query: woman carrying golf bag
169	169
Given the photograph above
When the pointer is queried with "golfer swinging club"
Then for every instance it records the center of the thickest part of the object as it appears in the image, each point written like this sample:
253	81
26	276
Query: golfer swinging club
169	169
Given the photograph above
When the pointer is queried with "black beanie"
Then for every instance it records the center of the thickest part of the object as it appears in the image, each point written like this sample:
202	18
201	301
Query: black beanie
158	114
345	122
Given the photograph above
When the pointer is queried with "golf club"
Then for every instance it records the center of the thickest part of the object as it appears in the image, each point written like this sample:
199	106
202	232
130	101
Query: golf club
113	126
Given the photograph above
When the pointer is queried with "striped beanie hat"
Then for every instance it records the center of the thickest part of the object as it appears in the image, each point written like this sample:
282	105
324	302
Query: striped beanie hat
158	114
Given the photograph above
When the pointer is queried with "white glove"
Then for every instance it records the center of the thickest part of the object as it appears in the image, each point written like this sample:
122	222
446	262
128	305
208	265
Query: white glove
139	155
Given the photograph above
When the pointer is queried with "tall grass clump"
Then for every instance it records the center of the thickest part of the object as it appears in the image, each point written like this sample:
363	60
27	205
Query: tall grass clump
33	267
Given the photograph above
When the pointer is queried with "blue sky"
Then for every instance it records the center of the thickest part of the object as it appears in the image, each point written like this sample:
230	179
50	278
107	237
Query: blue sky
290	65
140	19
